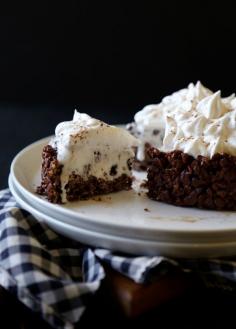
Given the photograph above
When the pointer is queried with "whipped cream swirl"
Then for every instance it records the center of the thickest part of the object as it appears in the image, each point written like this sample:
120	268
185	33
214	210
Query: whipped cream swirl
194	120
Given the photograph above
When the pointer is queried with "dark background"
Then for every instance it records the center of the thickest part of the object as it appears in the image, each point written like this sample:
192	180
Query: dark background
105	58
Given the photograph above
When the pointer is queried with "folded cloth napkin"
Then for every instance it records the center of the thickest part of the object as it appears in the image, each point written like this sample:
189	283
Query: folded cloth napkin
56	277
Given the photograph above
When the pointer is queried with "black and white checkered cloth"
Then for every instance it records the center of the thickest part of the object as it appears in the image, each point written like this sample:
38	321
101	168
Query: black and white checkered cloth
56	277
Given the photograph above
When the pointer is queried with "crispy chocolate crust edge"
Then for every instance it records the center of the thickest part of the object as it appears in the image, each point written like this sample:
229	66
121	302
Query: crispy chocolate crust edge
50	175
77	188
179	179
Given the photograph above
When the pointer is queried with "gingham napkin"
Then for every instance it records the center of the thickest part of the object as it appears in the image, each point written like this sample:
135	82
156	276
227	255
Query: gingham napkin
56	277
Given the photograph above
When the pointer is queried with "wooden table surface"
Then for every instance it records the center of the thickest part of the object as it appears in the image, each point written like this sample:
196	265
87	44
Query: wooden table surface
173	302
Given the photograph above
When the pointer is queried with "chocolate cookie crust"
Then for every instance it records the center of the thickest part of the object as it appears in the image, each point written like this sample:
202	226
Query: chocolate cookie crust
50	175
179	179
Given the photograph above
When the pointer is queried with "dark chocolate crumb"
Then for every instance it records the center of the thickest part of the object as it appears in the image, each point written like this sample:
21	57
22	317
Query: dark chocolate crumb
87	169
129	164
97	199
97	156
155	132
144	184
113	170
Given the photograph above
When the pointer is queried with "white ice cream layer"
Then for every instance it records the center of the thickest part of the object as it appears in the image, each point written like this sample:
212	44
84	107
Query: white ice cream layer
87	146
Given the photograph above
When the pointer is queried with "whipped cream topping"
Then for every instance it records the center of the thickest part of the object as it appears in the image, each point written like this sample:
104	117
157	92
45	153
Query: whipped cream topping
194	120
87	146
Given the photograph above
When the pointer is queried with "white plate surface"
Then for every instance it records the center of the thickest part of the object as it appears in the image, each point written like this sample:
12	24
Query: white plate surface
124	244
125	213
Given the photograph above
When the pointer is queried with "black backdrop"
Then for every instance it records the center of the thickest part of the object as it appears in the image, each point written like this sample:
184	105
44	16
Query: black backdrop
107	58
124	53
